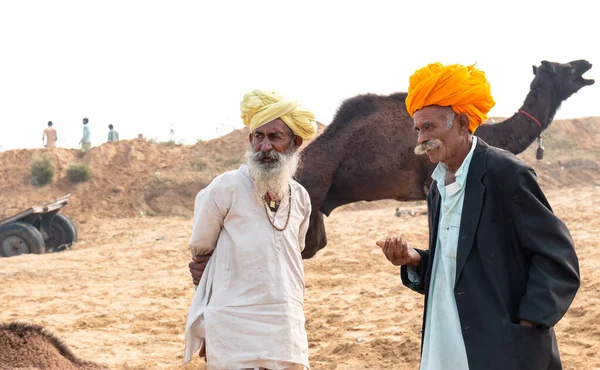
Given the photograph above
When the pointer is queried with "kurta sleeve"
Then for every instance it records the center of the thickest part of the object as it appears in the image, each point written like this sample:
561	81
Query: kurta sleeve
554	268
210	208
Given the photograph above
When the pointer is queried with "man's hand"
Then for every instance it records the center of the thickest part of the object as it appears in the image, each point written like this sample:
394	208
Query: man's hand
532	324
197	266
202	353
525	323
398	252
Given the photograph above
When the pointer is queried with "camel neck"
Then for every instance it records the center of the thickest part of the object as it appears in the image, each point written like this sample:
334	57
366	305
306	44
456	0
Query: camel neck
540	104
516	133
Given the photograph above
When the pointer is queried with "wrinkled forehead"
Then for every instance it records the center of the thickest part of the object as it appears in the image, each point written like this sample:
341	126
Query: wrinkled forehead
276	126
433	114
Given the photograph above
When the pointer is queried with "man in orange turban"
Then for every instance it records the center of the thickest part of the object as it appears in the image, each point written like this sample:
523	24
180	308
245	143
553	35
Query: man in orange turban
501	268
464	89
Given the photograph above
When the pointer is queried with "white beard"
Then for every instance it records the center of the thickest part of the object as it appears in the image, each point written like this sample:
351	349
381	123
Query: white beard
274	177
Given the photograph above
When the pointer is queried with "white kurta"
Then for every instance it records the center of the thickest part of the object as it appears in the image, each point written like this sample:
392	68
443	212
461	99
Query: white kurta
443	344
250	298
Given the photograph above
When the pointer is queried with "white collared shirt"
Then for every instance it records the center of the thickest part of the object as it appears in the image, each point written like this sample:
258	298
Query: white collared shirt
443	344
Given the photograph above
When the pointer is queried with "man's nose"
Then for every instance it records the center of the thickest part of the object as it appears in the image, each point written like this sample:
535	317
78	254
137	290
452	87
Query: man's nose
266	146
422	137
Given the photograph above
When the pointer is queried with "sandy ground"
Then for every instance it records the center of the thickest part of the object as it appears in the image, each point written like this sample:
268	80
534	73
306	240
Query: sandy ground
121	295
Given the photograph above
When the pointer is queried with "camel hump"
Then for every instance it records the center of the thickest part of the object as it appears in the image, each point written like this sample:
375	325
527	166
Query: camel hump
361	106
31	346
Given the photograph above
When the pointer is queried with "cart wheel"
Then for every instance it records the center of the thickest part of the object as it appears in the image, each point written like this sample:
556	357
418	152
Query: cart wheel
62	233
20	238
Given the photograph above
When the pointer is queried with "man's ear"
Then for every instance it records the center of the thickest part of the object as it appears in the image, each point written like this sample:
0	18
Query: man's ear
298	141
250	137
463	121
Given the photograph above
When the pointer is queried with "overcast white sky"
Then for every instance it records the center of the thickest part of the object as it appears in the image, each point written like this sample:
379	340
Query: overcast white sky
144	65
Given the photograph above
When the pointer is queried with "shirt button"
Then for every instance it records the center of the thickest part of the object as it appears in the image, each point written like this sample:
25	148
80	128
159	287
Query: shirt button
466	328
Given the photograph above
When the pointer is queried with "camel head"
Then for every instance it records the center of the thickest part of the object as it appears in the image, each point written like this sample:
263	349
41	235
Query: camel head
567	78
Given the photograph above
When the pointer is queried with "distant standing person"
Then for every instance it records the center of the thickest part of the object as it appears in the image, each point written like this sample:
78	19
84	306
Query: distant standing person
50	136
112	134
85	140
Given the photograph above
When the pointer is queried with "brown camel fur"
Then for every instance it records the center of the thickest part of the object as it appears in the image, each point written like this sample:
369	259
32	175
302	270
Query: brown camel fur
366	153
25	346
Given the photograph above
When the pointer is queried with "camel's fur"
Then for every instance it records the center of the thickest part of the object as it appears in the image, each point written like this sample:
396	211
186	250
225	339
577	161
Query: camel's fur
366	153
26	346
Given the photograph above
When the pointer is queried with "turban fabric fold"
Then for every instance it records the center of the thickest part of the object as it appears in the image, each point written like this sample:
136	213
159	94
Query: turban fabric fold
260	107
464	88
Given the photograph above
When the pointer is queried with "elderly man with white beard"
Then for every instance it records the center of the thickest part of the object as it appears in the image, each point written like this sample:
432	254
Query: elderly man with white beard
249	230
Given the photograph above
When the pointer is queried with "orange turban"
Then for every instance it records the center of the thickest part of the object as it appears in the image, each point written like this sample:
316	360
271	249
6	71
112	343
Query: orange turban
464	89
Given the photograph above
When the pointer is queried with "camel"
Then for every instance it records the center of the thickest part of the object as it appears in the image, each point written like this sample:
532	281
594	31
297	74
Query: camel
25	346
366	153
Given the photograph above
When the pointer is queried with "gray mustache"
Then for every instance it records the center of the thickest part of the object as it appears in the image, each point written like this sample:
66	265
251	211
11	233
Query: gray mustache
260	155
427	146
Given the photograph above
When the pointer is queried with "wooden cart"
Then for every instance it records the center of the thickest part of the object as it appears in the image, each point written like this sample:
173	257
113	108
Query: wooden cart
37	230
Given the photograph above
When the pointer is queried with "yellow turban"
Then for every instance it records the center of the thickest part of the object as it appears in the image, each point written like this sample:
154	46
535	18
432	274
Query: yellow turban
463	88
260	107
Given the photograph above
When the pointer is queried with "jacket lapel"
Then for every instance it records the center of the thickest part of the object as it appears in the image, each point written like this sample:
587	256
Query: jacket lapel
472	205
434	220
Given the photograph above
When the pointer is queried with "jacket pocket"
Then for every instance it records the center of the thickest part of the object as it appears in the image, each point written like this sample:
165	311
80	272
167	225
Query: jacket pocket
531	347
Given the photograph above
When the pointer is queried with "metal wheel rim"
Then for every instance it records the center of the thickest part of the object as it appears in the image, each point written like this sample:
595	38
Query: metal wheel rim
14	245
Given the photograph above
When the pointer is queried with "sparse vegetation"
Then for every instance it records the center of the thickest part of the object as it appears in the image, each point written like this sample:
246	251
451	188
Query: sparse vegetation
169	143
158	185
42	171
199	163
78	172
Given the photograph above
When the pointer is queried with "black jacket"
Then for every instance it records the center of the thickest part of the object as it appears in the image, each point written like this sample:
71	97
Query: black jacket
515	260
